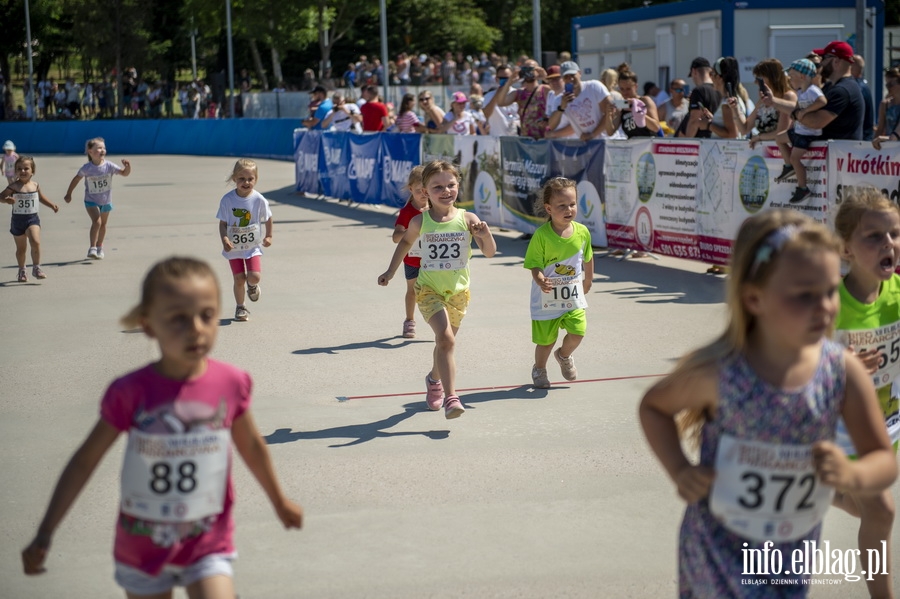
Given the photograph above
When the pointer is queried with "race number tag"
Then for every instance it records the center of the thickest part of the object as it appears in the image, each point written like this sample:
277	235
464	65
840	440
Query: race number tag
99	184
445	251
885	339
175	478
767	492
245	238
25	203
416	250
567	294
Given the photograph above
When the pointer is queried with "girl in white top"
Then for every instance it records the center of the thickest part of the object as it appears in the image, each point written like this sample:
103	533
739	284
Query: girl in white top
97	175
242	211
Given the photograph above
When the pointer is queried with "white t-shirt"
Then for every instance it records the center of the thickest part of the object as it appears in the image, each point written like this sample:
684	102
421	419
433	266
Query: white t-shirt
804	99
98	181
342	121
462	125
246	218
553	102
504	121
584	111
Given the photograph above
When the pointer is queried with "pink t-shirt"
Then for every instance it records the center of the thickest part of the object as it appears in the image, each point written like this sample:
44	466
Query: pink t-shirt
406	214
147	401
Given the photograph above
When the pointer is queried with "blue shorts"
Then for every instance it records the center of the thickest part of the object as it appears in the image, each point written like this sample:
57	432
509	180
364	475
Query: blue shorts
21	222
137	582
798	140
103	207
411	272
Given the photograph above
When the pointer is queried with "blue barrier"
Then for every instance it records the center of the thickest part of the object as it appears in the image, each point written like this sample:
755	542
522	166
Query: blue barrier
257	138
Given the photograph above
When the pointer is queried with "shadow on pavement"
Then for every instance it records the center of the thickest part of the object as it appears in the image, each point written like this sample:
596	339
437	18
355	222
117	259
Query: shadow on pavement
656	284
376	344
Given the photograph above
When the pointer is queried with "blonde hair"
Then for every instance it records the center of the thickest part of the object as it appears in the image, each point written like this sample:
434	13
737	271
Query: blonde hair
415	176
28	159
174	268
857	202
241	164
439	166
550	188
762	240
610	78
89	144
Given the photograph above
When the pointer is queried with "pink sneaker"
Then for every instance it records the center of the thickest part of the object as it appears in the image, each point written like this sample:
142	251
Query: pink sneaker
409	329
453	408
434	394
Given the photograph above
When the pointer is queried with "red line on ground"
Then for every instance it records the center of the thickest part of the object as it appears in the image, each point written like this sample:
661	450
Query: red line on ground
604	380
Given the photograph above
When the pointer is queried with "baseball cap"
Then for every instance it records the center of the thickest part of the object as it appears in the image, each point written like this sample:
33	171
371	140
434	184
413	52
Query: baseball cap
569	68
698	63
459	97
553	72
320	88
803	66
9	145
842	50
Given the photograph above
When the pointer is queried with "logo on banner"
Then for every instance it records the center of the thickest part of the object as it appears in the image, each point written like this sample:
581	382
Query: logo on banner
588	198
485	188
643	228
645	173
309	162
332	155
361	168
396	171
753	185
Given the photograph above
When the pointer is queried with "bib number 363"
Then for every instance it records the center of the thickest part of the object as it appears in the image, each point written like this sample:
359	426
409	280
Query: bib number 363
245	238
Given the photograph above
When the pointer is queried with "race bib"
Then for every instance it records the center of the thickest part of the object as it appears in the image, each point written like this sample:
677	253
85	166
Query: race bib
25	203
885	339
99	184
245	238
567	294
416	250
445	251
175	478
766	491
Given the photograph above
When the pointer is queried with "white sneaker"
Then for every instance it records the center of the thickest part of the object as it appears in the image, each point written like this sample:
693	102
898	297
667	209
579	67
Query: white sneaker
92	254
100	253
253	292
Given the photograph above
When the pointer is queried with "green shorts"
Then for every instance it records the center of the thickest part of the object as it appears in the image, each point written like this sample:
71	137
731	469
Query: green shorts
546	332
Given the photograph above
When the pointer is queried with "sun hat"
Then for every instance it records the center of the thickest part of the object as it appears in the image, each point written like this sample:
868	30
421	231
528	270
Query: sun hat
9	145
569	68
459	97
553	72
804	66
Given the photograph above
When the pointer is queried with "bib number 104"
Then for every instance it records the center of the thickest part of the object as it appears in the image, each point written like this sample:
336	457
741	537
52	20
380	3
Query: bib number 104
565	292
163	478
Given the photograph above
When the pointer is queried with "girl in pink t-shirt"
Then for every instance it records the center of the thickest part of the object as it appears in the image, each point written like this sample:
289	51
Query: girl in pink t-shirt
418	201
182	414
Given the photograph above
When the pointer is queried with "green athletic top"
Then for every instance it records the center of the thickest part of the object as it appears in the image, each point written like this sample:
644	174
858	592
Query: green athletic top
446	249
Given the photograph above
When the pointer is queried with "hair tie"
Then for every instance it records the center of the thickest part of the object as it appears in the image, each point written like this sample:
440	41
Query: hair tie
772	244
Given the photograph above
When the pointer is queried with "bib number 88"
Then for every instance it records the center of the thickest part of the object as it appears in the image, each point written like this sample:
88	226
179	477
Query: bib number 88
443	251
755	497
185	482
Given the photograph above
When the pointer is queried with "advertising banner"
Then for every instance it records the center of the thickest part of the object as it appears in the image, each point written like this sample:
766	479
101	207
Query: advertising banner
525	166
482	179
334	161
400	153
853	163
583	162
306	162
364	170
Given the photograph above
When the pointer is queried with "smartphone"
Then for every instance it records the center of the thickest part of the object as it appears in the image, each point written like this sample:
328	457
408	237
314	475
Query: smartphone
502	81
570	87
762	86
622	104
729	90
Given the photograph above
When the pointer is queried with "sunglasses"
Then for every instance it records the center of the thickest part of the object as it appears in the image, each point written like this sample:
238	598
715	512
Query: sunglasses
678	90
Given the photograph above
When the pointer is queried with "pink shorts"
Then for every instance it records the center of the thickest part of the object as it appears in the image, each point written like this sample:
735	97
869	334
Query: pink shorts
254	264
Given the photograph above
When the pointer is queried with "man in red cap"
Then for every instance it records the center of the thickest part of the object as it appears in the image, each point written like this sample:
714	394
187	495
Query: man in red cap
842	117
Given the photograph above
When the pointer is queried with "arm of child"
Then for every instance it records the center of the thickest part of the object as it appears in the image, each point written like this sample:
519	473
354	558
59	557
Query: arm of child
657	412
542	281
482	234
267	240
127	170
588	275
75	180
397	235
6	196
72	480
403	246
46	202
255	454
820	102
876	468
223	236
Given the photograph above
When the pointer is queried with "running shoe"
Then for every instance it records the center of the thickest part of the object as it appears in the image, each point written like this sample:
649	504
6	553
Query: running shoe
253	292
409	329
539	377
92	254
22	278
567	365
434	393
786	172
453	408
100	254
800	194
37	273
241	314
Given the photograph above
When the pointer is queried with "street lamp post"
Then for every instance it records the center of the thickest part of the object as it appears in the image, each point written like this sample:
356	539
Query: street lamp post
29	97
230	60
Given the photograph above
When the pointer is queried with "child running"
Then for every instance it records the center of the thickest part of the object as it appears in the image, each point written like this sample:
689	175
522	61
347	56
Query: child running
763	401
418	201
869	323
182	414
241	213
442	289
562	268
97	175
794	142
25	194
9	161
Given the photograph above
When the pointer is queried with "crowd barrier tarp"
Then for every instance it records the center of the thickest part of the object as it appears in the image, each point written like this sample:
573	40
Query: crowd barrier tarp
401	153
365	169
526	165
856	163
334	162
583	162
306	161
